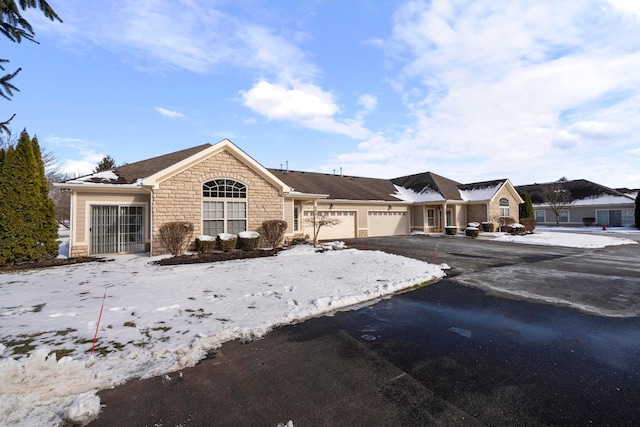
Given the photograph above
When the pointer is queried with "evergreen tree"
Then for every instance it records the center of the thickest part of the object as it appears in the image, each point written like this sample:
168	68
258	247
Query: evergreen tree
526	208
107	163
27	231
48	225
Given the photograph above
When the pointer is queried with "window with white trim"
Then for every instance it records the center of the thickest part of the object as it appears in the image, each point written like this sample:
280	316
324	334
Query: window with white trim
563	216
504	207
431	217
224	207
540	216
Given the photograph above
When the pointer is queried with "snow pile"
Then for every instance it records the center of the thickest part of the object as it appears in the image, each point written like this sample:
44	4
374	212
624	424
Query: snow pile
570	240
158	320
248	235
31	388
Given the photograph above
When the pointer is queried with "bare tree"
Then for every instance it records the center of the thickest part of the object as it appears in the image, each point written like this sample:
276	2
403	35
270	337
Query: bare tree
558	197
319	221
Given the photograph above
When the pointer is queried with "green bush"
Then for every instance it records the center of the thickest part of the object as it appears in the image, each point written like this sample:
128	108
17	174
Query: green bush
488	227
516	228
472	232
451	230
205	244
227	242
588	221
248	240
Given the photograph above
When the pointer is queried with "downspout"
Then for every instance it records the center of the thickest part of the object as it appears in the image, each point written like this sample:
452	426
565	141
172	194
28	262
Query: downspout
150	190
71	222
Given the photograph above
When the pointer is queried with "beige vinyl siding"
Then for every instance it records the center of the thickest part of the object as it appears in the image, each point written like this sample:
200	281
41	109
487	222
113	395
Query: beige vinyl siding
83	200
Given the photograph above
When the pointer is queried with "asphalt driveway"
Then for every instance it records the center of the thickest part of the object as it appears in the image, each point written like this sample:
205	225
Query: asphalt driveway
596	281
509	338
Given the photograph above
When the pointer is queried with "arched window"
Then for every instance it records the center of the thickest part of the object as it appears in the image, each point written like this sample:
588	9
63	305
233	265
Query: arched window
224	207
504	207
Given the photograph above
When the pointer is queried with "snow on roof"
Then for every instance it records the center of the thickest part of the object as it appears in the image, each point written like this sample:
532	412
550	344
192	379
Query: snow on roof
409	195
604	199
482	193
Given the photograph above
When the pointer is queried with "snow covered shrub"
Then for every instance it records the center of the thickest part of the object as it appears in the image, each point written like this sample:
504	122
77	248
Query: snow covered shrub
488	227
272	232
205	244
529	224
472	232
515	228
248	240
175	236
588	221
227	241
451	230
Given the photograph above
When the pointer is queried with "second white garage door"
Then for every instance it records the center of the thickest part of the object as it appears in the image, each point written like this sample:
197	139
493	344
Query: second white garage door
345	230
388	223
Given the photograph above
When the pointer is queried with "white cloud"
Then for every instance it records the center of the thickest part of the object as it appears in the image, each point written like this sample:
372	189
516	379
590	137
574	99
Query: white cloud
509	89
169	113
77	156
305	104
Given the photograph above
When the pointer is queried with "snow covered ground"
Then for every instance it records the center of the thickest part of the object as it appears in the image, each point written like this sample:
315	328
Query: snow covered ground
155	320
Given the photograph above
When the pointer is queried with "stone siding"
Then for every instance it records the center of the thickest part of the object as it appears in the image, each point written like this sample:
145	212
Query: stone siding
179	198
494	208
477	213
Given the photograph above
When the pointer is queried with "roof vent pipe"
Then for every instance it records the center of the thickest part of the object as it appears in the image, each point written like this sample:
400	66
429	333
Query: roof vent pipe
340	170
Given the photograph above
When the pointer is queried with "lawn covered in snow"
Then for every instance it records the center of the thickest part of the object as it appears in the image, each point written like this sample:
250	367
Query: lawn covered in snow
157	320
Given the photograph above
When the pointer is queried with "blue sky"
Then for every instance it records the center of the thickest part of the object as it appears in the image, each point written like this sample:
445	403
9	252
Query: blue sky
472	90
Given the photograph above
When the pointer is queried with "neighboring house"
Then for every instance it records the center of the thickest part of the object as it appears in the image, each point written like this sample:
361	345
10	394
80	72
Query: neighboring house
219	188
614	208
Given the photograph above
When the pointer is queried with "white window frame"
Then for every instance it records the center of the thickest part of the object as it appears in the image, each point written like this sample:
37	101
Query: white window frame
229	199
536	213
431	217
505	209
564	217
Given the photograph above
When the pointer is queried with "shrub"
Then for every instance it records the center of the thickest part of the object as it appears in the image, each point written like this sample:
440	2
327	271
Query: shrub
515	228
248	240
488	227
272	232
529	224
175	236
588	221
472	232
451	230
505	222
298	241
227	241
205	244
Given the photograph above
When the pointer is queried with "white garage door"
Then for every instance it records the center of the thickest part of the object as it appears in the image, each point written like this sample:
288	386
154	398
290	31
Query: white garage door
388	223
346	229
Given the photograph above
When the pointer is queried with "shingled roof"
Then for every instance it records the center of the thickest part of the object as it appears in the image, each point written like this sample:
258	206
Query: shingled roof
130	173
337	187
429	181
580	189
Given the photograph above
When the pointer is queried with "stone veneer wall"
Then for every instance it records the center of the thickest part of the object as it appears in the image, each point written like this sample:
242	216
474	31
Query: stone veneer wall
494	208
477	213
180	197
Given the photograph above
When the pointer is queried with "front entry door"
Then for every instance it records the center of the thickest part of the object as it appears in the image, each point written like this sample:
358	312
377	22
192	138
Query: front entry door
117	229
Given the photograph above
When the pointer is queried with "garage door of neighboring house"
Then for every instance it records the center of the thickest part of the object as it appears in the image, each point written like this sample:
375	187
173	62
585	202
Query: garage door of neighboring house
117	229
346	229
388	223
